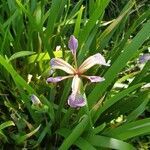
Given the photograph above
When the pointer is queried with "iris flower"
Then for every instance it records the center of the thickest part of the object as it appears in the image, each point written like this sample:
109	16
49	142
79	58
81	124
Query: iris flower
76	99
144	58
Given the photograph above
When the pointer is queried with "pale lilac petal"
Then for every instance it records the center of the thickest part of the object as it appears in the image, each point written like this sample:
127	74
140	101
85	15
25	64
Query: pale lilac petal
73	44
57	79
144	58
76	100
57	63
94	78
35	100
96	59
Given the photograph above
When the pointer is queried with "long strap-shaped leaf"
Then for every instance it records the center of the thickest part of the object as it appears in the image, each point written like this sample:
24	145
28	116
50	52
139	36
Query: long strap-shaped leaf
106	35
120	63
110	102
89	141
18	80
22	83
130	130
145	96
56	7
75	134
6	124
80	142
98	12
103	141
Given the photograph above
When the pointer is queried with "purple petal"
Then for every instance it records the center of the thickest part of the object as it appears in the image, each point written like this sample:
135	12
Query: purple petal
57	79
96	59
76	100
95	78
73	44
54	80
144	58
35	100
57	63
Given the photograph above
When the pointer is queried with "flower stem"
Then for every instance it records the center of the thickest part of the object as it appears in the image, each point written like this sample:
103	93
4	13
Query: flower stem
75	60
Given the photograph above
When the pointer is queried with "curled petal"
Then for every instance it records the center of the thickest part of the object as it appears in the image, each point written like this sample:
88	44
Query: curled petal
76	100
57	63
35	100
144	58
73	44
96	59
94	78
57	79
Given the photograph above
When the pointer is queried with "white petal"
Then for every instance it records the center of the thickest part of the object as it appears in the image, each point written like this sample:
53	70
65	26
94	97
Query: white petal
57	63
96	59
76	84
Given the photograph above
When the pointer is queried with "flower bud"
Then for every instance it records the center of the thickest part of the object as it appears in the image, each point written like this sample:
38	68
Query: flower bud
73	44
35	100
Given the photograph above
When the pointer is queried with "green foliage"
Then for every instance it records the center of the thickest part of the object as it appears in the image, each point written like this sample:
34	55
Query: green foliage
116	117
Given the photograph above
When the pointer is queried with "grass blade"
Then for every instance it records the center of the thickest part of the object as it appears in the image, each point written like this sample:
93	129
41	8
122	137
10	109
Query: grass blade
112	101
20	54
130	130
76	133
140	109
80	142
107	142
6	124
120	63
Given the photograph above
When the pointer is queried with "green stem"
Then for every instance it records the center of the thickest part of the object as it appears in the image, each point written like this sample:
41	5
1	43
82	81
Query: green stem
75	61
